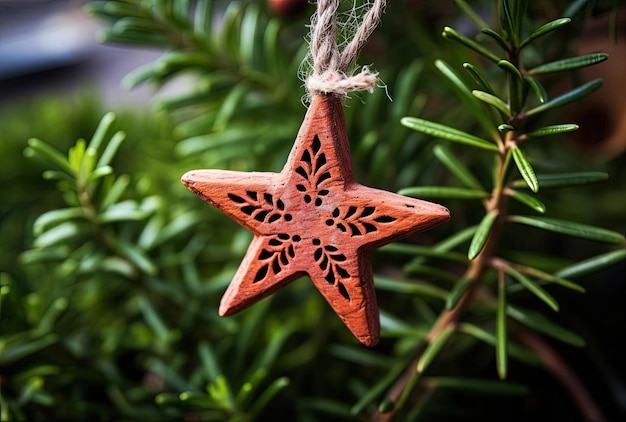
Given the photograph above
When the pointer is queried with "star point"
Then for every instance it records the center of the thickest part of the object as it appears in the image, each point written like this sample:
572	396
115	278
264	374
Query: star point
313	219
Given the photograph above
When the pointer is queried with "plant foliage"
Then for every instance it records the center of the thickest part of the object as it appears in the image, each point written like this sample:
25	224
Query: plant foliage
110	313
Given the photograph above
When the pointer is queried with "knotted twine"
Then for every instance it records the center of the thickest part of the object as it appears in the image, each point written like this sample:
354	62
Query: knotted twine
329	65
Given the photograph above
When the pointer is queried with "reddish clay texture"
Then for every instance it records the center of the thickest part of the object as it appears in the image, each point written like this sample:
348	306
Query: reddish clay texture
313	219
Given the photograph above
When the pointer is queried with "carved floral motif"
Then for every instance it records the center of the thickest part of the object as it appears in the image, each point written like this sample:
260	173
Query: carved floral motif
313	219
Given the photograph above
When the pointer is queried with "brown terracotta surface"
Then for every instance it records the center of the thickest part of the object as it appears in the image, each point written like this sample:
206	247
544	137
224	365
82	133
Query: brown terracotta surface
313	219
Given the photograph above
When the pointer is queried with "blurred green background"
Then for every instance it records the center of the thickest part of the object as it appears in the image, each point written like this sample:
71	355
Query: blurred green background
117	319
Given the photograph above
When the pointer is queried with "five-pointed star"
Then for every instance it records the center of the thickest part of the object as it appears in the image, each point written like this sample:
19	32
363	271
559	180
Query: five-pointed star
312	218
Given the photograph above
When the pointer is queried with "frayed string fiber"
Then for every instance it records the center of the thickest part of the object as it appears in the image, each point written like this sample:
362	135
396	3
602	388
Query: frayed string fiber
326	68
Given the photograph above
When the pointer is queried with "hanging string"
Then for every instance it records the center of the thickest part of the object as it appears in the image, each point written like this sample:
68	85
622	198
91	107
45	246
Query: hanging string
329	65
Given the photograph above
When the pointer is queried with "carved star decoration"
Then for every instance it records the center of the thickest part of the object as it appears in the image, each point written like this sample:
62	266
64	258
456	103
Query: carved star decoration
313	219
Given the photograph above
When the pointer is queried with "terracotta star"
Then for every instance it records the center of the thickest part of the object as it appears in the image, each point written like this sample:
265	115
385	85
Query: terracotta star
313	219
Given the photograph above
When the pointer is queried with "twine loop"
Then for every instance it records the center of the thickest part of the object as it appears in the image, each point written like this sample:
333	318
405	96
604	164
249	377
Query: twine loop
330	66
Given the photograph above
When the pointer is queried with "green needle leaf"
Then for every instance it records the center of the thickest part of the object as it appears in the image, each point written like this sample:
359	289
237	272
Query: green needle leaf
544	29
471	13
564	180
434	348
569	64
504	127
457	167
415	250
553	130
525	169
409	287
111	149
515	84
514	350
493	101
438	130
134	254
510	67
457	292
456	239
593	264
450	33
570	97
501	332
208	361
532	287
64	232
527	200
572	229
538	322
46	151
465	94
381	385
481	235
478	78
496	36
102	129
548	277
271	391
443	192
54	217
537	88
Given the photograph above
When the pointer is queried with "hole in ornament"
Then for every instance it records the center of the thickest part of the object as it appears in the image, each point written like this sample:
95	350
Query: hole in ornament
276	266
329	222
301	188
265	254
351	210
283	236
291	251
280	204
323	177
323	192
318	201
288	217
251	195
302	172
341	227
324	263
317	254
261	216
342	272
343	291
236	199
330	277
268	198
316	242
336	212
338	257
355	230
297	238
385	219
273	218
368	211
248	209
369	228
331	248
275	242
321	160
307	198
260	275
283	257
409	206
306	157
316	144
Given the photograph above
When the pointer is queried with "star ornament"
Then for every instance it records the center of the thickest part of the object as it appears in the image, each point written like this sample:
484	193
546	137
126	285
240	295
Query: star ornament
313	219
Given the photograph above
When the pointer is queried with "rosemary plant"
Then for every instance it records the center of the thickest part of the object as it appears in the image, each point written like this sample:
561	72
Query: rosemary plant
110	313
